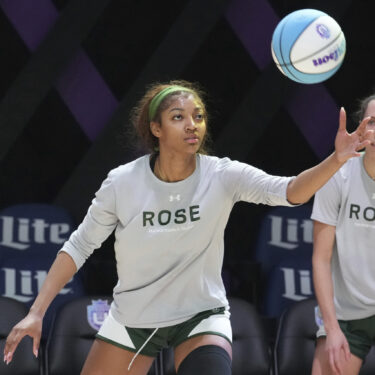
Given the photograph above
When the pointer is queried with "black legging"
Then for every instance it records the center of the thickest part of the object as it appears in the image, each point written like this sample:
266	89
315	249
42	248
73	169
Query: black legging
206	360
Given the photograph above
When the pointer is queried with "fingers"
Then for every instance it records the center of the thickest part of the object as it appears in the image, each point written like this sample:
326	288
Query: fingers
14	338
31	326
11	344
342	119
362	145
346	349
369	135
334	361
36	343
365	138
361	129
338	356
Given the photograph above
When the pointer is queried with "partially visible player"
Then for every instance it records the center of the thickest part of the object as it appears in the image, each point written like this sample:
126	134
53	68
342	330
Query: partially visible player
169	210
344	262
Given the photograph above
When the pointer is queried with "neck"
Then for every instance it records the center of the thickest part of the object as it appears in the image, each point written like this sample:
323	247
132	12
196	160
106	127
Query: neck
173	169
369	164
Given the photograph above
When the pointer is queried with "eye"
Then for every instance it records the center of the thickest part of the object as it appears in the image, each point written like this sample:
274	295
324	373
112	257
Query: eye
199	116
177	117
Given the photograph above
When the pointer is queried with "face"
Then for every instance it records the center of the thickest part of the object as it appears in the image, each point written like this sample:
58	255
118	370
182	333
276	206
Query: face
183	126
370	111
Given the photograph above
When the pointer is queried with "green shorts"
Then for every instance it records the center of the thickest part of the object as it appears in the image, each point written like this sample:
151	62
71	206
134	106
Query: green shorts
360	334
149	341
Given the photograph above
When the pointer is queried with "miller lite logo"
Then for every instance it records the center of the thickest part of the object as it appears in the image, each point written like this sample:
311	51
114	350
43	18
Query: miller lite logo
19	233
283	230
284	249
30	237
289	282
288	233
24	284
297	283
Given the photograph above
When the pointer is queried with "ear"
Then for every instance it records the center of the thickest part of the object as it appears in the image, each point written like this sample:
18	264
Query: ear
155	128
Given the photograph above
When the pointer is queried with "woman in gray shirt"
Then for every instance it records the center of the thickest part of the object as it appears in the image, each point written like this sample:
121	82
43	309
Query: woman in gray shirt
169	210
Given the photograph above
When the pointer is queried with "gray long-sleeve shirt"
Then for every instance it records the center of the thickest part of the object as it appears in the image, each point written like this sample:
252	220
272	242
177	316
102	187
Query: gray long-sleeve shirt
169	236
347	202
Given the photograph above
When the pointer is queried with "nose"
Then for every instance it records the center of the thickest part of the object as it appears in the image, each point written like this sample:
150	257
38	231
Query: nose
190	124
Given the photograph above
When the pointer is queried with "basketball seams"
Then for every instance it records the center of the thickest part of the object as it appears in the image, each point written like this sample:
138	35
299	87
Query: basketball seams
285	65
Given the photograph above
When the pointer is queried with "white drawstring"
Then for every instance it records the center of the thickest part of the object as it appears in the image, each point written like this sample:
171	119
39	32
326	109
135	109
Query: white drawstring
140	349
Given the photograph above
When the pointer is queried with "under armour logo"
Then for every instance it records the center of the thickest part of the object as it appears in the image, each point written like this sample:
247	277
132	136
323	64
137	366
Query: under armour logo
174	197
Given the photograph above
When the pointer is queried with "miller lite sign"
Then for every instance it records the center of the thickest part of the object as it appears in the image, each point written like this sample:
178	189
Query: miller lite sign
284	249
30	237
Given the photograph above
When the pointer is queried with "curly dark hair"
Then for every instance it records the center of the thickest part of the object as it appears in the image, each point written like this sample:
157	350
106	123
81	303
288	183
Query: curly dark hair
140	114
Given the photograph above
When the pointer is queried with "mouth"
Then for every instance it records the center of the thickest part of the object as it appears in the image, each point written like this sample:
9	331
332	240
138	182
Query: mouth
192	140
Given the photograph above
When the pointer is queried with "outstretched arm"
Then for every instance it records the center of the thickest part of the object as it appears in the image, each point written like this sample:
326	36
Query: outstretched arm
324	237
308	182
61	271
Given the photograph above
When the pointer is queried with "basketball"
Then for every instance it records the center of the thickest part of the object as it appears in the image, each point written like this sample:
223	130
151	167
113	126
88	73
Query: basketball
308	46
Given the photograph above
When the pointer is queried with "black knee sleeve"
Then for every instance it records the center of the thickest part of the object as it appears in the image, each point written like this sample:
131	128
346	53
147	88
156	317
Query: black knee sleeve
208	360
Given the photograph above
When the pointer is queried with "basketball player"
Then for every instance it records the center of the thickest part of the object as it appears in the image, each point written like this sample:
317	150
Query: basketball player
344	262
169	210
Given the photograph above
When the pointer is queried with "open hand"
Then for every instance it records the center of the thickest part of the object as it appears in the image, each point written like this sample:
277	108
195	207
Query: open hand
338	351
31	326
347	144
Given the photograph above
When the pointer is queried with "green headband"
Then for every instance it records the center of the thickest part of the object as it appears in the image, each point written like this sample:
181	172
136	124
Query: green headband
160	96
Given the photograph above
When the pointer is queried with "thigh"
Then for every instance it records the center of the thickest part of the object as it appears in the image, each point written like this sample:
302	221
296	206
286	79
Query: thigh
182	350
211	327
105	358
321	361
